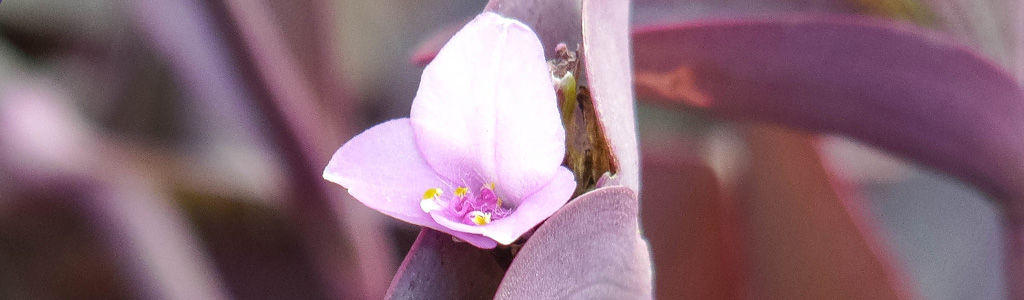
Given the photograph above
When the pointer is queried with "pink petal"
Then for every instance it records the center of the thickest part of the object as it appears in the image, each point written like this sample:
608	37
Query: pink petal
533	209
382	168
486	109
477	240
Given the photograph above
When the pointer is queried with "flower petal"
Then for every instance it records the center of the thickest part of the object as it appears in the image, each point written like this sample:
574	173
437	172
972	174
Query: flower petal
477	240
533	209
382	168
486	103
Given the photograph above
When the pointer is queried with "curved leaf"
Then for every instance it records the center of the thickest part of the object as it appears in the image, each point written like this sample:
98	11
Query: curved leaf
891	85
439	268
589	249
606	55
665	11
903	90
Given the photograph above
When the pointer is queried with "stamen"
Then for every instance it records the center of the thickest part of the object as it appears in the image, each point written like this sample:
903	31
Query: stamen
479	217
429	202
432	193
461	191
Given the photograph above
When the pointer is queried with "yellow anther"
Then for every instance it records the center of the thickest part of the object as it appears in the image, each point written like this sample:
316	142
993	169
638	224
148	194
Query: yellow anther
499	201
432	193
489	185
479	217
461	191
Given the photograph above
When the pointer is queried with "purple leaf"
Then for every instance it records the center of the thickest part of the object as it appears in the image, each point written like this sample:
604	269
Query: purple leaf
590	249
667	11
892	85
907	91
606	55
439	268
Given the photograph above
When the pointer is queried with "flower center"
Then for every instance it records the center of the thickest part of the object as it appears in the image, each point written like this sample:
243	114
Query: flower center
469	208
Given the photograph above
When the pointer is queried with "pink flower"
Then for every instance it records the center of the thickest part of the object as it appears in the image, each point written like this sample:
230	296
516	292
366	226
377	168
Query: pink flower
480	155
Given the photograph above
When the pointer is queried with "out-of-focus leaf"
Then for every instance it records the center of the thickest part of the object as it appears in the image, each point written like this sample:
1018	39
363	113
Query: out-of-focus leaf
647	12
345	237
991	26
308	27
691	227
153	239
439	268
148	237
909	10
606	56
591	249
803	240
233	137
94	21
257	250
665	11
48	250
894	86
903	90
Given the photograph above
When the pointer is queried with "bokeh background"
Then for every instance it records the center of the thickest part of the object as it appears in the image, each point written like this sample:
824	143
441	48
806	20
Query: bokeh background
173	149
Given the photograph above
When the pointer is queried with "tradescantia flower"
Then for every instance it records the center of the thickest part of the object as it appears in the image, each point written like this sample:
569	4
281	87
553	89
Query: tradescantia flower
479	157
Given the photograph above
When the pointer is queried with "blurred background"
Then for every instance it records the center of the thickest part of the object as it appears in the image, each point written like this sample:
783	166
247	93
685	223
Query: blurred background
173	149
